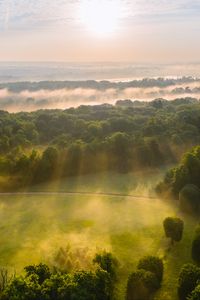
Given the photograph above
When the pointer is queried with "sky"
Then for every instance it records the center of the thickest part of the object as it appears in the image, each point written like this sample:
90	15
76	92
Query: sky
153	31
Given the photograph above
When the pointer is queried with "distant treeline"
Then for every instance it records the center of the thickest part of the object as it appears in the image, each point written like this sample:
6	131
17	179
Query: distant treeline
97	85
124	137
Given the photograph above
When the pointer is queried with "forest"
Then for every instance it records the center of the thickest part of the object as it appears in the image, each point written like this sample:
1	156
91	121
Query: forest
128	136
76	173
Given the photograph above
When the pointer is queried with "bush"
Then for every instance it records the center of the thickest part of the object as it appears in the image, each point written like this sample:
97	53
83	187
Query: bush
195	295
188	280
152	264
22	289
196	246
40	284
141	284
173	228
41	270
107	262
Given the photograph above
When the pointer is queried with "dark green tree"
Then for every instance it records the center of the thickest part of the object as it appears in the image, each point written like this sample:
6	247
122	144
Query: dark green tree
188	279
196	245
189	199
108	263
41	270
152	264
40	284
173	228
141	284
58	287
195	295
23	289
47	165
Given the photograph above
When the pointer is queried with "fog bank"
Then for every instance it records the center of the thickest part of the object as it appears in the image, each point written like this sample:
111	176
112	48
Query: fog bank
30	96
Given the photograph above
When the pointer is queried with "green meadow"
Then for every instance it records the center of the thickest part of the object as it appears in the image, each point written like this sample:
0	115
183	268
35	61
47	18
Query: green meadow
35	227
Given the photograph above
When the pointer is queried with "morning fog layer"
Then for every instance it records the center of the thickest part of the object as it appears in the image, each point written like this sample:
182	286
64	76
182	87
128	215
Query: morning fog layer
28	96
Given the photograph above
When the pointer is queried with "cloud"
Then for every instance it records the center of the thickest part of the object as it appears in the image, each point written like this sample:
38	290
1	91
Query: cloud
23	14
164	6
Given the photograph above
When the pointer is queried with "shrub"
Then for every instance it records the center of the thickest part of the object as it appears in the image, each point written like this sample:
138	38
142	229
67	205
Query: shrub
152	264
173	228
196	246
188	280
107	262
195	295
141	284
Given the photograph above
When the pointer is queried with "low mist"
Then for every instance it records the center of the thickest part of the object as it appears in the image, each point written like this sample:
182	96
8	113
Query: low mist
61	228
44	225
60	95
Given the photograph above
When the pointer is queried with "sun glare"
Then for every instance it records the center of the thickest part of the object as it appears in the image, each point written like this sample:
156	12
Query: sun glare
100	17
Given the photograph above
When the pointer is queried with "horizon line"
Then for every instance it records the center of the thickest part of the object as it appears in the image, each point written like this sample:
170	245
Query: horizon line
98	62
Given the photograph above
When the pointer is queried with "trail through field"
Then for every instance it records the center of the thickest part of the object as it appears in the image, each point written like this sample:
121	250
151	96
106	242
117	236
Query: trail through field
76	193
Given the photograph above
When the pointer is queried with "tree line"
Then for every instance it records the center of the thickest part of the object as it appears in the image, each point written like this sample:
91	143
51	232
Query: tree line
40	282
124	137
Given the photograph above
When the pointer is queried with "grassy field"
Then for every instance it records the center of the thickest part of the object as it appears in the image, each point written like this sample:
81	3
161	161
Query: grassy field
34	227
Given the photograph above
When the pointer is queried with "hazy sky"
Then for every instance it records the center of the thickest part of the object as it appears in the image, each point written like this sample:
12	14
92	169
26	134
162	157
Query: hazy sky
109	30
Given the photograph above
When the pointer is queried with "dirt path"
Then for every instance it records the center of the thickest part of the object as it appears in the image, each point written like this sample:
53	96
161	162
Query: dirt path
75	193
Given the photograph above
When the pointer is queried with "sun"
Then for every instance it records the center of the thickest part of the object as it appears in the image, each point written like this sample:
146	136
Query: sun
100	16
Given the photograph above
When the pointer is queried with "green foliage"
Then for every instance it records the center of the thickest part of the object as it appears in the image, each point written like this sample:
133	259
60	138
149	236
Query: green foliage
173	228
58	287
141	284
41	270
119	145
195	295
183	181
188	280
196	246
98	138
23	289
189	199
152	264
146	280
40	284
108	263
47	164
95	286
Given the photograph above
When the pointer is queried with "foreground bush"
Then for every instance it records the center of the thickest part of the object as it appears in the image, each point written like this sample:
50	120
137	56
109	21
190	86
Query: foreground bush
152	264
141	284
146	280
188	280
108	263
41	284
195	295
196	246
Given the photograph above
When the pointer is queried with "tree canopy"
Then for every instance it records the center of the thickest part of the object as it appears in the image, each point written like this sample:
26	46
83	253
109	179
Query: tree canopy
173	228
